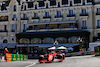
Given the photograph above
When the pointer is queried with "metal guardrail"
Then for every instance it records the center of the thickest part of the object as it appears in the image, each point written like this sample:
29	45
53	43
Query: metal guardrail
78	53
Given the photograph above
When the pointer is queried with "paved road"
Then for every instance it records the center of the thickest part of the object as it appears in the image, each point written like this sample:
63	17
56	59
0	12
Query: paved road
78	61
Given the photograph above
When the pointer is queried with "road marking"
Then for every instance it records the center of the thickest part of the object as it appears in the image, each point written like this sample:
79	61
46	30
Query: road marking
31	65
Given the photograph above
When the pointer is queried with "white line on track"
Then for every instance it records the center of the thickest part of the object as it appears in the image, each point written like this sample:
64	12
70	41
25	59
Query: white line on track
32	64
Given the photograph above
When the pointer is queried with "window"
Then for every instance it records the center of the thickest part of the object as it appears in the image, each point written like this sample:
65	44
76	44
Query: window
59	26
14	16
77	1
83	11
61	40
13	27
58	4
25	8
5	41
84	24
47	14
5	27
70	12
25	16
48	40
24	41
58	13
70	3
47	5
14	7
72	39
98	23
25	27
35	15
98	10
35	6
35	27
36	41
47	26
83	2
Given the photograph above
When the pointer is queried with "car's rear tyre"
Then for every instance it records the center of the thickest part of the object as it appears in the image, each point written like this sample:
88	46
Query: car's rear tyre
53	59
61	60
63	57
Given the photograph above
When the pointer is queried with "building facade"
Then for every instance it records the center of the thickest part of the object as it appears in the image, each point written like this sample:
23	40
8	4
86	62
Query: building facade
36	22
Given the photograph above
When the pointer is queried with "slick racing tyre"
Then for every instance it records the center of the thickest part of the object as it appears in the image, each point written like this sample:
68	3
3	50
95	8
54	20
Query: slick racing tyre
63	57
53	59
61	60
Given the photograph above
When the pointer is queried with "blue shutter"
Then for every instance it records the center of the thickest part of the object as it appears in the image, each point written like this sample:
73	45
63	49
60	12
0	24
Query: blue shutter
35	15
98	23
25	16
83	11
14	7
72	12
46	5
69	12
85	23
14	16
82	23
47	14
58	4
98	10
71	3
83	1
13	26
25	27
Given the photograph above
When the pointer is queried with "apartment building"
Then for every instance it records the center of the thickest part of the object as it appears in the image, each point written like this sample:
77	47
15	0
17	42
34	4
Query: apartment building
33	23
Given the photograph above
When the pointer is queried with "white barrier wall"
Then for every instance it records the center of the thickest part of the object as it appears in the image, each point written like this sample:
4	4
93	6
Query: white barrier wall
92	45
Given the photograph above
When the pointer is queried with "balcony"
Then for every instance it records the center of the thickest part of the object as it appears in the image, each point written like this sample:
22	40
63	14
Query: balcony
3	30
24	30
14	19
71	15
84	27
58	18
98	26
24	18
46	17
35	17
84	14
4	20
97	13
12	30
51	29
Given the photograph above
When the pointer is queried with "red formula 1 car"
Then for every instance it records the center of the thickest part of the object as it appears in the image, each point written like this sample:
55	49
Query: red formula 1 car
52	57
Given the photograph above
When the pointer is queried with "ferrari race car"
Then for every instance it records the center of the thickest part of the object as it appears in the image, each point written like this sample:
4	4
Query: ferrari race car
52	57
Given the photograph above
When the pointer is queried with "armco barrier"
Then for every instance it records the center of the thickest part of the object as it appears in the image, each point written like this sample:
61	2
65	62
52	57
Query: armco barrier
79	53
16	57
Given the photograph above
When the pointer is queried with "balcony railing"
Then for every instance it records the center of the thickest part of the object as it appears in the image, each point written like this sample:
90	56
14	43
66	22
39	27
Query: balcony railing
97	13
46	17
4	20
84	14
14	19
35	17
24	18
12	30
24	30
39	28
84	27
98	26
71	15
3	30
58	16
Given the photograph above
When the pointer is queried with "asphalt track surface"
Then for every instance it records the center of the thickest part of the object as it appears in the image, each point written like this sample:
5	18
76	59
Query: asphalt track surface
77	61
